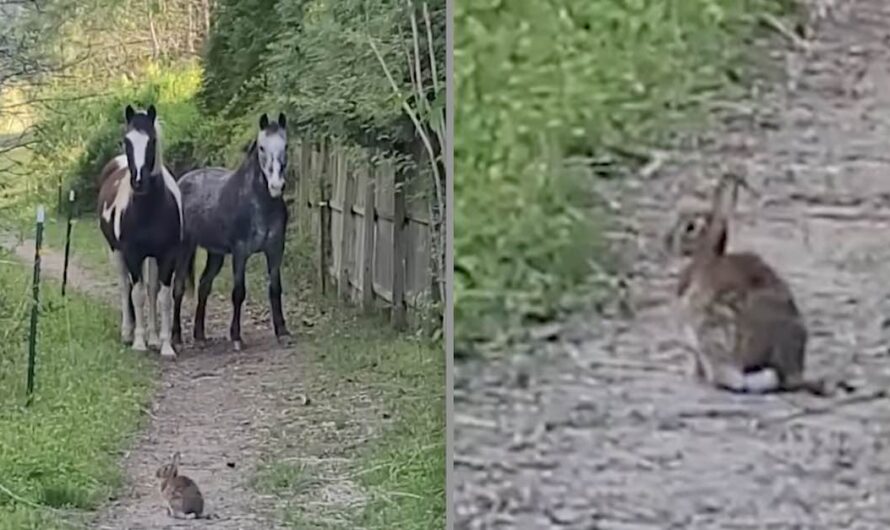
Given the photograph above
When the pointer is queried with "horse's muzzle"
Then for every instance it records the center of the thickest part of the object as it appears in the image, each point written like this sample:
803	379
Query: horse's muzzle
139	187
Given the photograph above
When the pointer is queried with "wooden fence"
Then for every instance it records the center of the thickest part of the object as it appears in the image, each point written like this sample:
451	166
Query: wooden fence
370	223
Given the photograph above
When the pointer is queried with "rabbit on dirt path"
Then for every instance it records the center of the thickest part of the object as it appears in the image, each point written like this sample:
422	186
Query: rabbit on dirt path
740	316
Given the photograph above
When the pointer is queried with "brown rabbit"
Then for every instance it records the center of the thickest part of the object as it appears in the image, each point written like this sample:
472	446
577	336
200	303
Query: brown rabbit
746	330
183	498
685	231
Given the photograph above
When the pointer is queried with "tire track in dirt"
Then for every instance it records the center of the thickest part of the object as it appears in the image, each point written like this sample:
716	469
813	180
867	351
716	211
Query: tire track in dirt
602	428
221	409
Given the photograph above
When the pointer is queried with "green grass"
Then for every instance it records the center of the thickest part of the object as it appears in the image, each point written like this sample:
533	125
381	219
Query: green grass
553	95
401	469
88	246
404	470
62	452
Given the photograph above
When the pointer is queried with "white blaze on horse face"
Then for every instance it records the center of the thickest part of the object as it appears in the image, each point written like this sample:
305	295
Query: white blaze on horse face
272	150
139	142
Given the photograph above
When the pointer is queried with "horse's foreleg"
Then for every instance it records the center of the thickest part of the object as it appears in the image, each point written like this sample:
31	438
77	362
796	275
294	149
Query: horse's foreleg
178	291
165	269
273	263
151	274
239	265
117	259
134	266
205	285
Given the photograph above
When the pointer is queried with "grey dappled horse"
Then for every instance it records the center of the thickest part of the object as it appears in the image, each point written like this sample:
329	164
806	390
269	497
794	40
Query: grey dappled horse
140	215
239	212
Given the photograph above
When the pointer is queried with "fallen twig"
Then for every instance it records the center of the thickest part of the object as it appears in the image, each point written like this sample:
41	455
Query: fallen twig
471	421
815	411
631	365
656	161
774	23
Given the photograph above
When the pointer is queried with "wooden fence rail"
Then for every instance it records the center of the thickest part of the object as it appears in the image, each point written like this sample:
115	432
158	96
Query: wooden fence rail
370	224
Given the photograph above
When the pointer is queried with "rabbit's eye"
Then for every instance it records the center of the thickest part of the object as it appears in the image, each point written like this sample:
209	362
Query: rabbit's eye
690	226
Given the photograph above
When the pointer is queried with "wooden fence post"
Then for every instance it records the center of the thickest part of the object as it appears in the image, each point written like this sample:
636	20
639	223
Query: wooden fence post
369	225
323	218
303	197
348	221
398	251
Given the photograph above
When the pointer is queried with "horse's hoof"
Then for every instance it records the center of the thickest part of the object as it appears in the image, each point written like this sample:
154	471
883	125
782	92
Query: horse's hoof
237	345
285	339
154	342
139	344
167	352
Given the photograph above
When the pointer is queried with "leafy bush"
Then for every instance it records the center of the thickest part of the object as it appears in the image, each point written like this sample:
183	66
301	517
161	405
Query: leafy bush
538	82
317	64
77	140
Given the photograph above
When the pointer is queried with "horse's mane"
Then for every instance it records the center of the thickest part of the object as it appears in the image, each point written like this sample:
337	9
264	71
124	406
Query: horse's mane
159	147
249	157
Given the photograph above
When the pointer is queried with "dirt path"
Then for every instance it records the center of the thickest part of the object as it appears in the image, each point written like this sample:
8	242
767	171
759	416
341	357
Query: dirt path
603	430
214	406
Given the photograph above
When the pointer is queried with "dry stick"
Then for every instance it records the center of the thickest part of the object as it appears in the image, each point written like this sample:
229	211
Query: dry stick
862	398
429	39
437	213
592	364
774	23
630	365
416	42
439	129
21	500
414	119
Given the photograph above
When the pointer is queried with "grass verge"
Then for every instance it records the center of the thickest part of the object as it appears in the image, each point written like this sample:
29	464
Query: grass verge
376	455
88	247
61	454
403	470
543	83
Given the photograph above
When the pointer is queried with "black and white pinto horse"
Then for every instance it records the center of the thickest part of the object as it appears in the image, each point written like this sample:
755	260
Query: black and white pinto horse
140	215
239	212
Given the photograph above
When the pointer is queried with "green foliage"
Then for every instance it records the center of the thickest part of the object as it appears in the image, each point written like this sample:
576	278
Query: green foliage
61	452
317	64
539	82
235	51
76	141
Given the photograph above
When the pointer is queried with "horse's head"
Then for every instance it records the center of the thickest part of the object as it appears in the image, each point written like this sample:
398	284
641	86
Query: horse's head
271	144
141	144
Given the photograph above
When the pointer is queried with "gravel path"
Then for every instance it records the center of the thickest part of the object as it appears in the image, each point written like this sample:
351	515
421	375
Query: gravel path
217	407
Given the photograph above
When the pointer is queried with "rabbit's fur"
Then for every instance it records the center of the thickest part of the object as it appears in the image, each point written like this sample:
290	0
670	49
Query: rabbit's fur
740	316
183	498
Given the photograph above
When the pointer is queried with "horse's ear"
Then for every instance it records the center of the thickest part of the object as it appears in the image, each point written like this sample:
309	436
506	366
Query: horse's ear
129	113
282	120
264	121
152	113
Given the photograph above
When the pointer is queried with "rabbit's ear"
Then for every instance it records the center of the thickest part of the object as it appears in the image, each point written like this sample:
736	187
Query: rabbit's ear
176	457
